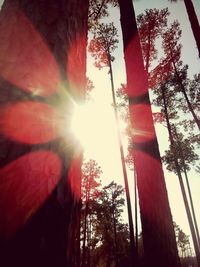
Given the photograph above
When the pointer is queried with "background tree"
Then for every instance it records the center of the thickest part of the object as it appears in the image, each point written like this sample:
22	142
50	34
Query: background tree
112	233
150	178
183	150
150	26
101	47
90	191
173	64
170	79
165	97
193	21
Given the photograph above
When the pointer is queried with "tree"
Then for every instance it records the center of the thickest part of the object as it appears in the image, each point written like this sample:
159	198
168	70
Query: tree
193	21
97	10
164	100
90	191
172	64
112	233
101	47
182	240
40	168
150	26
183	150
154	205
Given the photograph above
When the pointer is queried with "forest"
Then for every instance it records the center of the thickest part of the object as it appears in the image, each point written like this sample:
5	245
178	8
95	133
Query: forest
99	133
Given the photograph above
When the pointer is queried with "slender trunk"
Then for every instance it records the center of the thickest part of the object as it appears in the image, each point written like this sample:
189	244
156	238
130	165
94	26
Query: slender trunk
84	236
148	53
136	212
189	192
115	236
83	260
192	205
194	22
171	138
88	241
157	225
197	121
128	200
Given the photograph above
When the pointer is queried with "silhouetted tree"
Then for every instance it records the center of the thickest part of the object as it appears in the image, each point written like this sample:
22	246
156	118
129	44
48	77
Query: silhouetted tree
193	21
111	232
90	191
101	47
172	64
183	150
164	100
151	24
154	205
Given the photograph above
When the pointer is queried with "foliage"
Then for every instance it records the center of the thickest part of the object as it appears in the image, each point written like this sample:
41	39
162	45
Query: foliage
98	9
103	43
182	240
183	150
90	192
108	240
151	24
111	231
194	91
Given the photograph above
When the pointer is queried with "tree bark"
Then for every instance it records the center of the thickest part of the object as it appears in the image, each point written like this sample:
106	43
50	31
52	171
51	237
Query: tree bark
158	234
194	22
43	62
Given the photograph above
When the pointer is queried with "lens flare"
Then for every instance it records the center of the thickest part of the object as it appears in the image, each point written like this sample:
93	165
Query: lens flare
93	128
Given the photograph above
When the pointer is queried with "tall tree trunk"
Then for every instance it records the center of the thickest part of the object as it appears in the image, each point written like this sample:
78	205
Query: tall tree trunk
178	170
115	239
136	212
83	258
193	21
133	255
42	66
85	227
189	191
192	206
157	226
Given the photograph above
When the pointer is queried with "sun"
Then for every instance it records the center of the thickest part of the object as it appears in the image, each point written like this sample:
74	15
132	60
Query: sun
95	129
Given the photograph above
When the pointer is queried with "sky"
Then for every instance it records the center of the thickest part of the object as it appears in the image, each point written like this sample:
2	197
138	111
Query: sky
101	142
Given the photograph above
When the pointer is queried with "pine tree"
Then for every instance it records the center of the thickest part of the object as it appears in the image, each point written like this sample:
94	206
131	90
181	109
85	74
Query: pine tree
41	72
159	242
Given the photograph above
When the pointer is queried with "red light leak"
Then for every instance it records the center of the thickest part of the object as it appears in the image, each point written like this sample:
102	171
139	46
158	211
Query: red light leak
143	128
30	122
74	177
33	68
24	186
74	69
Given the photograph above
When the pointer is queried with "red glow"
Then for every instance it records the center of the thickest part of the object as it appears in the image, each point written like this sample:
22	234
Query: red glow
24	186
74	177
75	72
33	68
149	182
143	130
30	122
